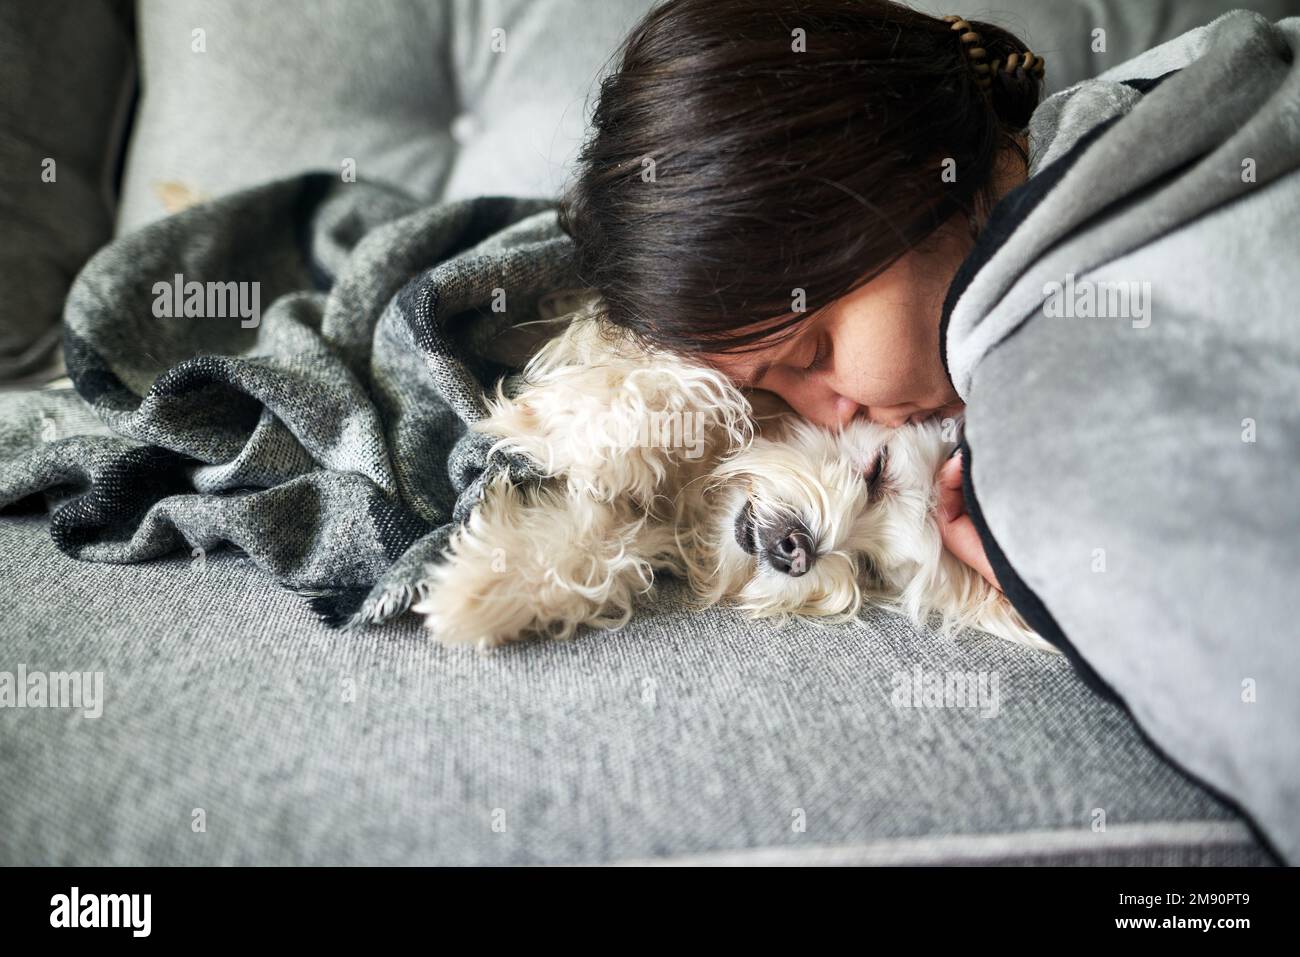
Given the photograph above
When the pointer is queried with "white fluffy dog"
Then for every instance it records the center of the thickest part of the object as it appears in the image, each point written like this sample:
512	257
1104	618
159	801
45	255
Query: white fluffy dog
656	463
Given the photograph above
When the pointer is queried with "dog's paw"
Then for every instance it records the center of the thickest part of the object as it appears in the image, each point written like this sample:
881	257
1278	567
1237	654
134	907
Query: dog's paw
468	603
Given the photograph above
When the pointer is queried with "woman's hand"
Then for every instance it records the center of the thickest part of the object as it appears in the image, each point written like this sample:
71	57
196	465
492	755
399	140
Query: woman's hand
955	526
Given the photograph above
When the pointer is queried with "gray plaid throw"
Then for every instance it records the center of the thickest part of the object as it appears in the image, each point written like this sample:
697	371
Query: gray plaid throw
325	434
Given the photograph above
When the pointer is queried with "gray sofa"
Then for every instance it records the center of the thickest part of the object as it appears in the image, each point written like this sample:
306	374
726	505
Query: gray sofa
238	729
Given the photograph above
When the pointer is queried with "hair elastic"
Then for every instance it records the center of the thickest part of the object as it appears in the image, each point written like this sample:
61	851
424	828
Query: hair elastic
1018	64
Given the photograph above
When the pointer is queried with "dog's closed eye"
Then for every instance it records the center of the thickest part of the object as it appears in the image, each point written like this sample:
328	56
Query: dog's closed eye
876	471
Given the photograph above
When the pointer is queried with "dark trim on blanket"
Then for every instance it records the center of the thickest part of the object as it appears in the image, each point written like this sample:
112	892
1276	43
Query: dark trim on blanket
336	607
1016	206
1147	84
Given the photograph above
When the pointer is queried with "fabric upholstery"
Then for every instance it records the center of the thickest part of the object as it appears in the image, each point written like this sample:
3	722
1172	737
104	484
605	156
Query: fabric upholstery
683	735
441	99
283	88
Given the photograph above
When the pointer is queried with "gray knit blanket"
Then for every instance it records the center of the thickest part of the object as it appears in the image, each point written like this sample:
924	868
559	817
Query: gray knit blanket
290	371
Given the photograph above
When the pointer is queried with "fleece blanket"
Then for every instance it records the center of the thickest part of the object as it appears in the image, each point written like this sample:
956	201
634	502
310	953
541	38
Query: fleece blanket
1127	340
291	371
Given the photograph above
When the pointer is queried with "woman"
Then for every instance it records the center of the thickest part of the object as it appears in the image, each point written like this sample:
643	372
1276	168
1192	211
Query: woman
789	188
814	182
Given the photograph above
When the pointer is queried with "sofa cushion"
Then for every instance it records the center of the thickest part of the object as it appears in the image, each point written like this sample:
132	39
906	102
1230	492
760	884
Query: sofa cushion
64	70
527	80
244	92
692	738
458	98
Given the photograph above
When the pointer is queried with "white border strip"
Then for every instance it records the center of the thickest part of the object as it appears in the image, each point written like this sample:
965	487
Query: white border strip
973	848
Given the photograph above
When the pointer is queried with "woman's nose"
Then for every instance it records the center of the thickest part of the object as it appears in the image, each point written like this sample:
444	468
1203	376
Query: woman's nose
890	418
831	410
845	410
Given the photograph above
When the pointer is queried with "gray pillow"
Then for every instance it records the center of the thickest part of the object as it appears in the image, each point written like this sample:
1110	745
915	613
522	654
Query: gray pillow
524	103
440	98
65	72
243	92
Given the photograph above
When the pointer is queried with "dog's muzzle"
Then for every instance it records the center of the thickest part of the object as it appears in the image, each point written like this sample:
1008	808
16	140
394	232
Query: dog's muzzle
787	546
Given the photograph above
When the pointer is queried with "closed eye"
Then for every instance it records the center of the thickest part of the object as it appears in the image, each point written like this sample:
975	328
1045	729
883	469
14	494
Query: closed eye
877	471
822	358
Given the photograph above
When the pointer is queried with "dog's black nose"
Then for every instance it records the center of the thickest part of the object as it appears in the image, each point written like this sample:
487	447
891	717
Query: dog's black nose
791	550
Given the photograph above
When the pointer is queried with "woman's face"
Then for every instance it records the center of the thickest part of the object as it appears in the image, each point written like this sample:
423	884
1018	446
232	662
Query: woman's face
874	352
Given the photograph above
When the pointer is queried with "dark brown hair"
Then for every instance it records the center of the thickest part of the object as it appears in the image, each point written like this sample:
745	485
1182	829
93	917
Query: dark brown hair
724	167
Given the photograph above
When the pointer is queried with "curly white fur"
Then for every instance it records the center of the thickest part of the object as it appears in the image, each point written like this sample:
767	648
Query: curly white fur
650	459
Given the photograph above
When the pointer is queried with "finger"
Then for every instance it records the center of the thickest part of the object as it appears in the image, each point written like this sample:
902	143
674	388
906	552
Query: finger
951	503
963	540
950	474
